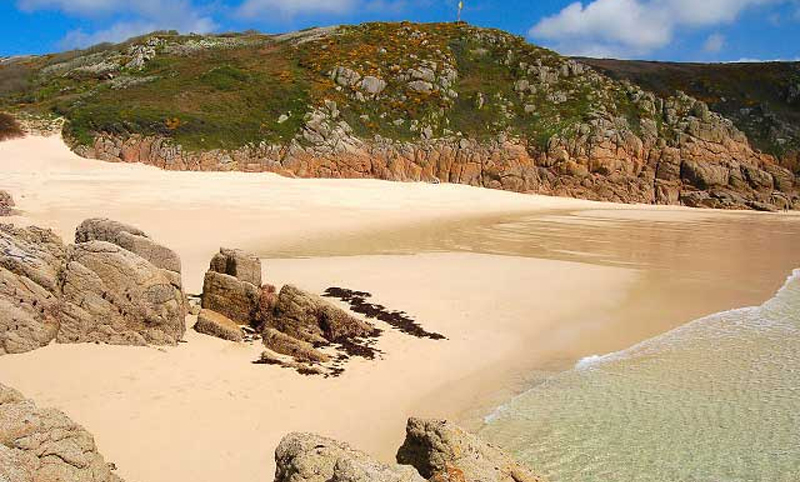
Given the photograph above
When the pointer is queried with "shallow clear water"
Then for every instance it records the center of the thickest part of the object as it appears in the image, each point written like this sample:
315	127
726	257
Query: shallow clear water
716	400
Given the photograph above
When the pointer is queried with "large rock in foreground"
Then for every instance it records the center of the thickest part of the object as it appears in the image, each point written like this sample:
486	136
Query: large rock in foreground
304	457
113	295
44	445
134	240
441	451
31	262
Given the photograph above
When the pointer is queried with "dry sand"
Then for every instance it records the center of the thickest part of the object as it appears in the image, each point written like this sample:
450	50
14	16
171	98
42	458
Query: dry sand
202	412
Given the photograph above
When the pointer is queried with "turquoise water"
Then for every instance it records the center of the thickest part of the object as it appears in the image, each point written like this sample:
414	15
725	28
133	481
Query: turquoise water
716	400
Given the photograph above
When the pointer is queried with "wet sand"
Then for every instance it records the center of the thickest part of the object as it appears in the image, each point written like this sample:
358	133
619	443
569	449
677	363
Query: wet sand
521	286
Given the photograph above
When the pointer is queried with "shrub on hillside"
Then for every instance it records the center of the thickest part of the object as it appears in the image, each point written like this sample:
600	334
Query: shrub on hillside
9	127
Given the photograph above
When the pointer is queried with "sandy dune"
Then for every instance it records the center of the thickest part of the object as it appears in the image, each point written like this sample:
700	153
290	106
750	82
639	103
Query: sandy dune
201	411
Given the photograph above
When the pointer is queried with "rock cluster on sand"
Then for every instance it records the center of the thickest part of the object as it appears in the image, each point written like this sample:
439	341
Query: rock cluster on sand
115	286
6	203
292	323
434	450
40	444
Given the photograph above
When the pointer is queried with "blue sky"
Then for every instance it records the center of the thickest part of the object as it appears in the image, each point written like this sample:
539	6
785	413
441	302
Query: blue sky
683	30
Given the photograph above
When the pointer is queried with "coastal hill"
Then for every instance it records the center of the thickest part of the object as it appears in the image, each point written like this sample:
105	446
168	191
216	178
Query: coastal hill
762	99
443	102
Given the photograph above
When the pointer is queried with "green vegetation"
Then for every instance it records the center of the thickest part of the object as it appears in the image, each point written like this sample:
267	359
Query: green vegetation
217	99
762	99
227	91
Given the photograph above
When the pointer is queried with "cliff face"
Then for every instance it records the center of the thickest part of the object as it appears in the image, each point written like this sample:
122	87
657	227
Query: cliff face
405	102
710	164
762	99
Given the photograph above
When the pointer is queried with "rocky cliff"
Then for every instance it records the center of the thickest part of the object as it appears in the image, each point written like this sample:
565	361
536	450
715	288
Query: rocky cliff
404	102
761	99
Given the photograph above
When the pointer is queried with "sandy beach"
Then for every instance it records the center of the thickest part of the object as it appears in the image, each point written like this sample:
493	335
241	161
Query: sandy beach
522	286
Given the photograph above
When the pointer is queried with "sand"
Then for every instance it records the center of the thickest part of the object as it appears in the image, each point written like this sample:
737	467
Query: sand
196	213
511	305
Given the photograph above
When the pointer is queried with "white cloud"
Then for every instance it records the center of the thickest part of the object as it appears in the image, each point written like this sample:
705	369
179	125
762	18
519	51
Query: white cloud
120	31
79	7
291	8
145	16
626	28
714	43
746	60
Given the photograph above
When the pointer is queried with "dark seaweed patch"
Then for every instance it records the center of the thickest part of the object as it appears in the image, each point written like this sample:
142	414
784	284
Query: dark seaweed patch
399	320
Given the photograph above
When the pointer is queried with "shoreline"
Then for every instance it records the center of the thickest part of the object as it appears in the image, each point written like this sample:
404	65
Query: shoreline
517	283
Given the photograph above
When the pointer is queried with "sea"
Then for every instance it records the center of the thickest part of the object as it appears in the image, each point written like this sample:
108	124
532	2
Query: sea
715	400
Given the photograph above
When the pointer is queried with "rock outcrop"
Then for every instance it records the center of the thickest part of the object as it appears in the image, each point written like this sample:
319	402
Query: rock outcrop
6	203
114	296
43	445
284	344
214	324
604	164
293	324
441	451
93	291
241	265
312	319
434	450
232	285
31	263
303	457
134	240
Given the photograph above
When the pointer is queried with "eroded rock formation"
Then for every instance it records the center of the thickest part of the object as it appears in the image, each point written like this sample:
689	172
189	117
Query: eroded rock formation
312	319
293	324
214	324
112	295
31	262
134	240
232	285
601	161
6	203
44	445
441	451
93	291
304	457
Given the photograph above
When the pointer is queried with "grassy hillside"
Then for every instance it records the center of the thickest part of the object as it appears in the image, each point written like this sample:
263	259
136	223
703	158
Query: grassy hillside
762	99
229	90
399	81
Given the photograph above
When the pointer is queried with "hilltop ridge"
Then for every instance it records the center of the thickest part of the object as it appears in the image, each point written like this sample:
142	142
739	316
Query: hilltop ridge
434	102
